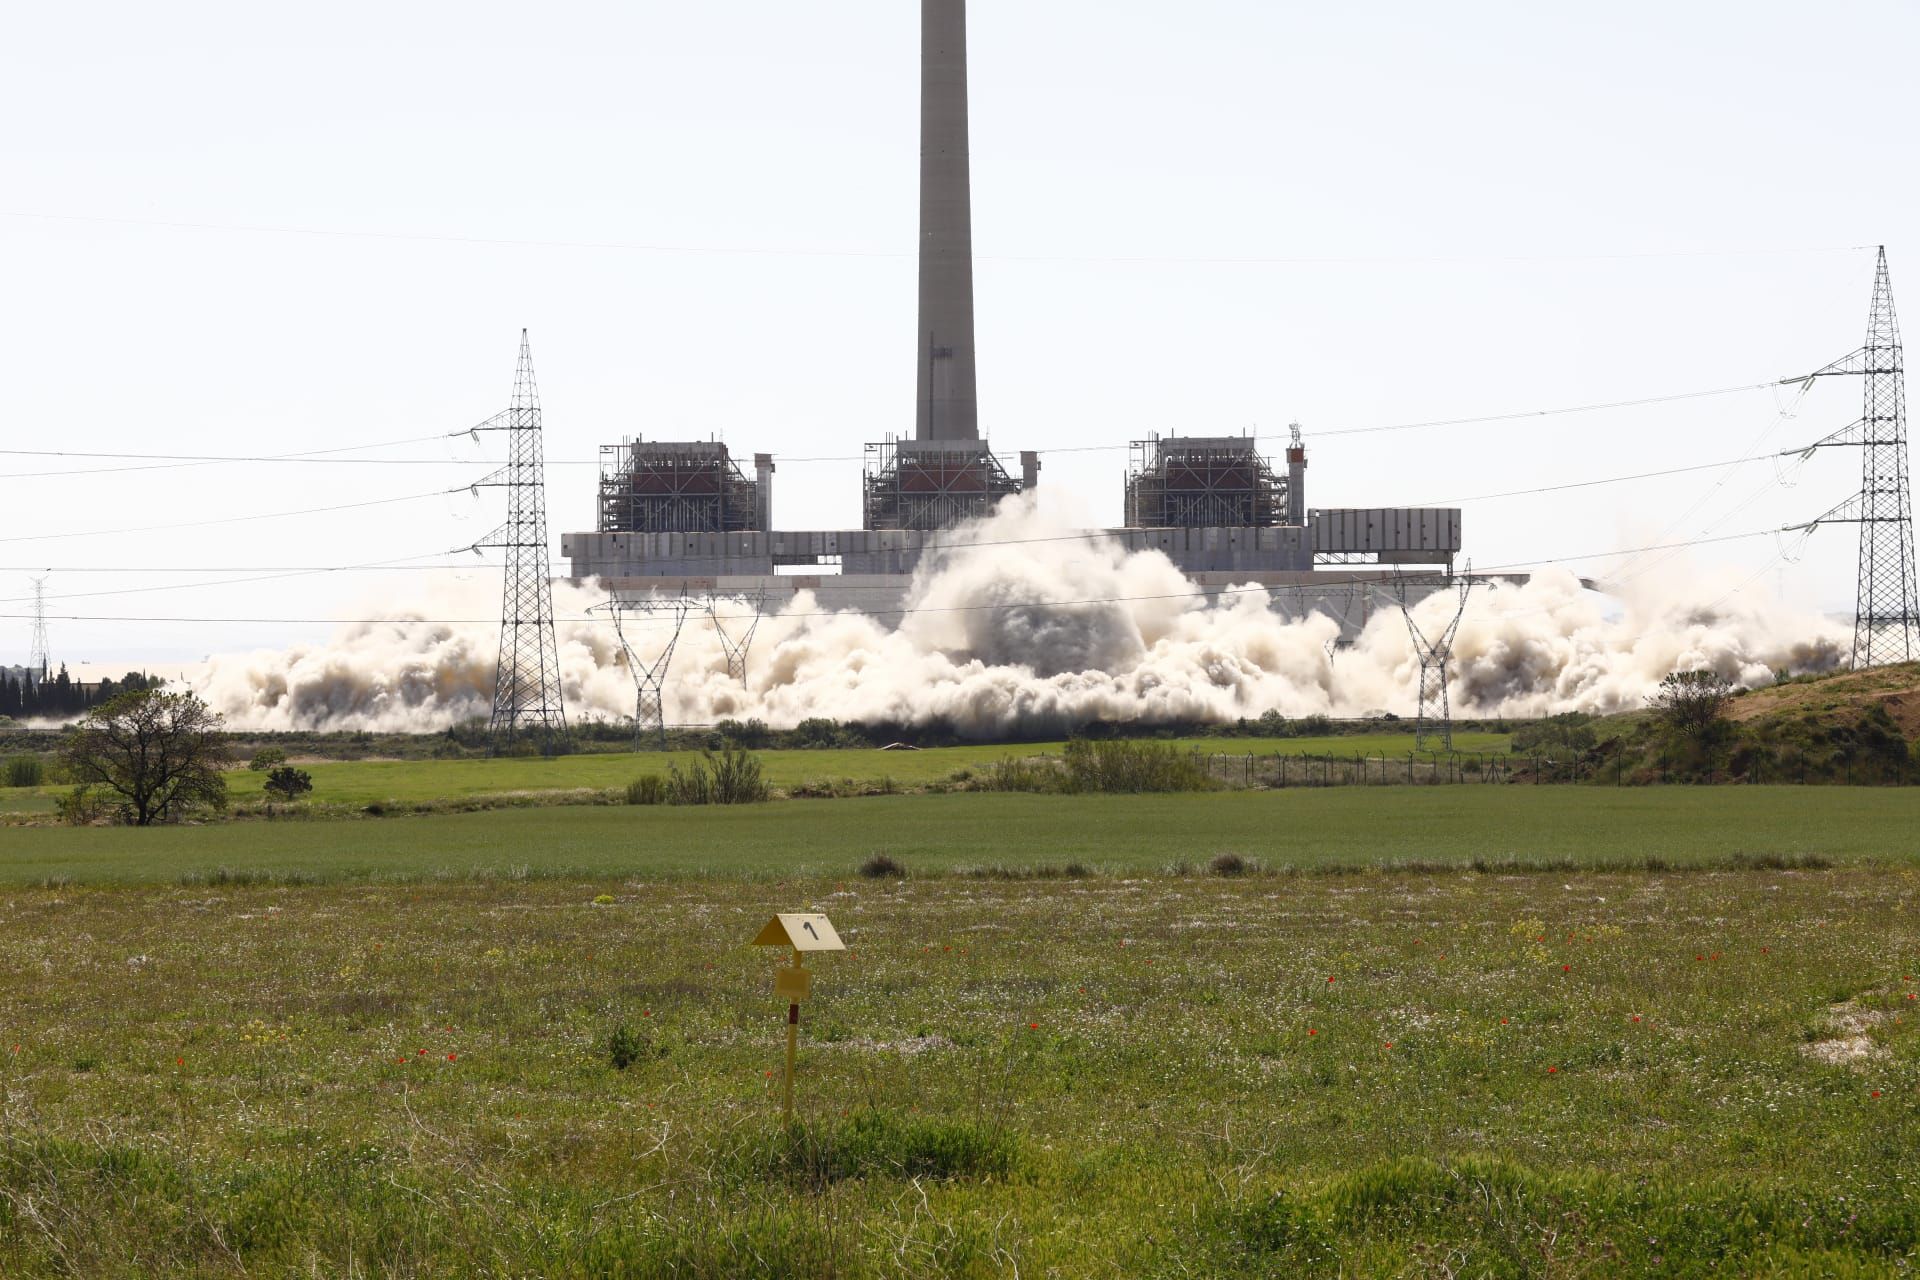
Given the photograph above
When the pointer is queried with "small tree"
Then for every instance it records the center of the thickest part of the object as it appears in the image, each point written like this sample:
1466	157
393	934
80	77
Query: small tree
1689	703
267	758
287	784
159	752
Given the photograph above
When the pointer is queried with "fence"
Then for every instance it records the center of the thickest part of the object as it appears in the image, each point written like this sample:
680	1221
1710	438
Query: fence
1283	770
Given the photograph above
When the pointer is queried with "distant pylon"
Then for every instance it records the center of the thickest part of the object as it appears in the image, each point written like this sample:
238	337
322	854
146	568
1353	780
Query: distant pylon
40	657
1886	605
527	698
1436	707
737	646
650	678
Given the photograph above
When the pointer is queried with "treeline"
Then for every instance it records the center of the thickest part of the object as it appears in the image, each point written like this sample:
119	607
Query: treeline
62	697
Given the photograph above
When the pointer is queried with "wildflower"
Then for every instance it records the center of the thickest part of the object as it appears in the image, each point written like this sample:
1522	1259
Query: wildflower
423	1053
1503	1022
179	1062
1389	1044
1312	1032
1566	968
1876	1093
450	1057
1329	979
1553	1071
1636	1017
1033	1026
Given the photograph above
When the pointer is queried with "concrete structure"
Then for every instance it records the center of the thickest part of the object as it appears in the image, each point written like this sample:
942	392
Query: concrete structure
1216	507
948	405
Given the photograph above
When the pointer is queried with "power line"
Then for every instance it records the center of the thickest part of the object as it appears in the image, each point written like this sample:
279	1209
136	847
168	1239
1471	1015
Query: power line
1198	593
316	457
899	254
265	515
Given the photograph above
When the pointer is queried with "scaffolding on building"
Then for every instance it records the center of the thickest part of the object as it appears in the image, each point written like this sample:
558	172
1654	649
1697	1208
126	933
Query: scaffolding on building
677	486
932	484
1203	482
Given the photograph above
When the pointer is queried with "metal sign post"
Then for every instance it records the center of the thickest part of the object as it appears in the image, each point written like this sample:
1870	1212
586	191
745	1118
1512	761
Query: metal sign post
803	932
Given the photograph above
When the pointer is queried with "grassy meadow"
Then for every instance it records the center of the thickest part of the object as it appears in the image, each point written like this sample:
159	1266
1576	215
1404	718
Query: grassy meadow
424	783
1343	827
1388	1074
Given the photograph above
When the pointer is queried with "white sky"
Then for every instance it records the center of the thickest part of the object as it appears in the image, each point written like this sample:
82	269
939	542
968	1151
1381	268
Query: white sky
1470	183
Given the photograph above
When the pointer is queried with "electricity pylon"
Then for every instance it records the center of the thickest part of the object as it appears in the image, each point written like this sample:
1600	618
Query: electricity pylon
40	657
736	647
1886	606
527	697
1436	708
649	678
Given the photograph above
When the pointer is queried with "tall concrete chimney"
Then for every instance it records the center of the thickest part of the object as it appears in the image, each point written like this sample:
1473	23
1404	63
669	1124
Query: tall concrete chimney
949	408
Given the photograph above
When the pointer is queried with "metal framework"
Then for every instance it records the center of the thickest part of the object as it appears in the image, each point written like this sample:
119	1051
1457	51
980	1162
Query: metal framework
1202	482
527	698
737	646
930	485
1886	608
675	487
1435	719
650	678
39	656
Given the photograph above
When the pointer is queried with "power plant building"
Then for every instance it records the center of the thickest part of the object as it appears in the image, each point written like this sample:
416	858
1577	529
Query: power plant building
683	517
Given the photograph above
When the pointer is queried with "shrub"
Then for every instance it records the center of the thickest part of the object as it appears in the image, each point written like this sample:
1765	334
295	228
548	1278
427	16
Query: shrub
649	788
730	777
266	758
625	1047
81	807
24	771
1039	776
288	784
1229	864
1133	767
882	867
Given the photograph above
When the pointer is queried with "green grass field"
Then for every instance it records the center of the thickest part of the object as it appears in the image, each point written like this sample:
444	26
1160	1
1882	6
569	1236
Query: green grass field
1384	1075
1350	826
417	782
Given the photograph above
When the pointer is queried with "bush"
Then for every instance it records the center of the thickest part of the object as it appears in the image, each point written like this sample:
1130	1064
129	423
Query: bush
81	807
626	1046
1229	864
266	758
1133	767
882	867
288	784
731	777
649	788
24	771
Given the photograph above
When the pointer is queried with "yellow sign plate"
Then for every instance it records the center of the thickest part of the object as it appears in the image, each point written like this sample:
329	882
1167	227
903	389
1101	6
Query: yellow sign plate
792	985
801	930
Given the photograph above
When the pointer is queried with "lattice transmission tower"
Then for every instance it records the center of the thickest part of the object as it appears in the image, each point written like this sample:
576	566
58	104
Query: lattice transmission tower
737	644
1886	606
40	655
1435	720
650	675
527	701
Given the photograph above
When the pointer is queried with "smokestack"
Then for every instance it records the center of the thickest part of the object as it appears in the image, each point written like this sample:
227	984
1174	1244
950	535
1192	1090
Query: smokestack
948	408
1296	479
763	502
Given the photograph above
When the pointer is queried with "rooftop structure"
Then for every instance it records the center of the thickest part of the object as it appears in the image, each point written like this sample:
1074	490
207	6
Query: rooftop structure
681	487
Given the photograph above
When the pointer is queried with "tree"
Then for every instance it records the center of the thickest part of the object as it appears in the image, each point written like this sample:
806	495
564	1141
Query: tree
1689	703
288	784
267	758
159	752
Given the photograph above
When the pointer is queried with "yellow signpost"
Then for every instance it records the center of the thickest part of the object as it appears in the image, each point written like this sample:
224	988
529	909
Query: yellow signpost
803	931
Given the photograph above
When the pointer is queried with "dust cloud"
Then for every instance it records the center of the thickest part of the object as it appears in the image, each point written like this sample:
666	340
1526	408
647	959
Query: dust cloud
1038	636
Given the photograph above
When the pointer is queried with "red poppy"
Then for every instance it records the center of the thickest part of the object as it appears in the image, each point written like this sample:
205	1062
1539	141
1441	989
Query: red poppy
1389	1044
1312	1032
1636	1017
423	1053
1566	968
1553	1071
450	1057
179	1062
646	1013
1033	1026
1503	1022
1699	957
1329	978
1876	1093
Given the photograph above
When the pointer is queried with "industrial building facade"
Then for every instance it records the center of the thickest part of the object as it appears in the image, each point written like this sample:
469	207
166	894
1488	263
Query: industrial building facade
678	517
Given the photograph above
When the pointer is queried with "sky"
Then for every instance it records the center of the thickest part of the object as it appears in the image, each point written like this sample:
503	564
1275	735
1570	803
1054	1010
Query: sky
257	229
